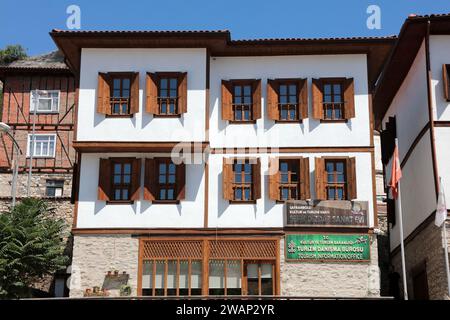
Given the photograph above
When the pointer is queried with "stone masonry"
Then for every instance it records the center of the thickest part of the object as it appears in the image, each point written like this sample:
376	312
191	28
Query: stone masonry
331	279
62	208
426	247
95	255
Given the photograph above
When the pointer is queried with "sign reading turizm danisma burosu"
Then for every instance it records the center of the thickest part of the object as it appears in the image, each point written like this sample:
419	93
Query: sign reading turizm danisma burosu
330	247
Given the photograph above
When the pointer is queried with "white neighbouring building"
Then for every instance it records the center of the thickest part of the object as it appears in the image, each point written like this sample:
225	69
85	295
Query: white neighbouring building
412	104
263	125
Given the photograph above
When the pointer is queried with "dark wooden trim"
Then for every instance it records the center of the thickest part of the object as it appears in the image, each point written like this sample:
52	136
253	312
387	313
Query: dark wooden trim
206	200
77	192
292	149
133	146
414	144
430	109
182	232
441	123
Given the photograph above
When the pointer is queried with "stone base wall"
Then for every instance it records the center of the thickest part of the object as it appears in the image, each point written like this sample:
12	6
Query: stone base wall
330	279
384	258
62	208
426	247
95	255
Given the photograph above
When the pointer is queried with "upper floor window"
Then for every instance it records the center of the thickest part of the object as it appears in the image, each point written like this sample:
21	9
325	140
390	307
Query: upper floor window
333	99
333	105
44	101
241	180
164	180
289	179
166	93
119	180
287	99
43	146
241	100
118	93
168	96
446	82
335	178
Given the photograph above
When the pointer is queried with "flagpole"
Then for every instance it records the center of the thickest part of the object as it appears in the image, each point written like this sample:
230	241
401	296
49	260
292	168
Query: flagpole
402	244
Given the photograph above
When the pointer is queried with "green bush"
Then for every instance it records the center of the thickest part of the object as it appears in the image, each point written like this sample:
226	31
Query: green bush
12	53
31	247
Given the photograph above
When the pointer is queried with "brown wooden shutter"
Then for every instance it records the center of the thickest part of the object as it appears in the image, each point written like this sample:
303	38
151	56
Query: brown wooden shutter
317	99
103	93
351	179
104	180
150	180
272	100
135	179
134	93
274	179
349	98
445	83
182	92
303	98
181	181
151	101
227	100
305	192
320	179
256	112
256	179
227	179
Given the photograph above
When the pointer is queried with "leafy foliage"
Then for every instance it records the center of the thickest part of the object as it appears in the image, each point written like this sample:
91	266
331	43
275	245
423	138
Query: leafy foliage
12	53
31	246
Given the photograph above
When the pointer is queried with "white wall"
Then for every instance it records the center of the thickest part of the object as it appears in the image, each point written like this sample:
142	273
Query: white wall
442	139
417	190
93	126
311	132
439	55
267	213
410	104
142	214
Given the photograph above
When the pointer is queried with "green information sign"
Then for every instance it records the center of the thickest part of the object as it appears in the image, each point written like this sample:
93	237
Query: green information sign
327	247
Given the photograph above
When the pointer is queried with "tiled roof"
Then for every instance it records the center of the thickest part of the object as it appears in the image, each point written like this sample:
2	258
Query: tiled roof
52	60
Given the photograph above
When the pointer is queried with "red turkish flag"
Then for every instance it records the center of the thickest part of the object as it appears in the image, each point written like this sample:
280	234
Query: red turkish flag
396	174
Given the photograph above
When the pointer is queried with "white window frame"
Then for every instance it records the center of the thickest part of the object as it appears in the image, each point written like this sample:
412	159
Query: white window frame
54	108
40	135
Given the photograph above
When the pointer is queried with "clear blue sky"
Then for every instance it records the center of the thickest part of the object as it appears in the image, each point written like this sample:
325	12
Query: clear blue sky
28	22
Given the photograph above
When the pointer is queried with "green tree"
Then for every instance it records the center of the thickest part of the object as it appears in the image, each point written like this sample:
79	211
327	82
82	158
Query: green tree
12	53
31	247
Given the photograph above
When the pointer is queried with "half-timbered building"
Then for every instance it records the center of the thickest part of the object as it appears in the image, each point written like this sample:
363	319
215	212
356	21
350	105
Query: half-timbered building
39	100
209	166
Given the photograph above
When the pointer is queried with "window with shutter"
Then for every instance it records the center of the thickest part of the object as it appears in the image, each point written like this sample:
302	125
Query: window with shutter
446	83
164	180
291	182
287	99
242	180
333	99
241	100
166	93
335	179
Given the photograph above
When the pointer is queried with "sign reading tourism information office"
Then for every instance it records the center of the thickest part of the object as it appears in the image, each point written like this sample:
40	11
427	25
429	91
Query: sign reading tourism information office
327	214
327	247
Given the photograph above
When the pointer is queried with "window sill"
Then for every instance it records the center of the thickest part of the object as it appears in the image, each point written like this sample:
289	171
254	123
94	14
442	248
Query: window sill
166	115
166	201
289	121
41	157
120	202
333	121
45	112
119	115
242	202
242	122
